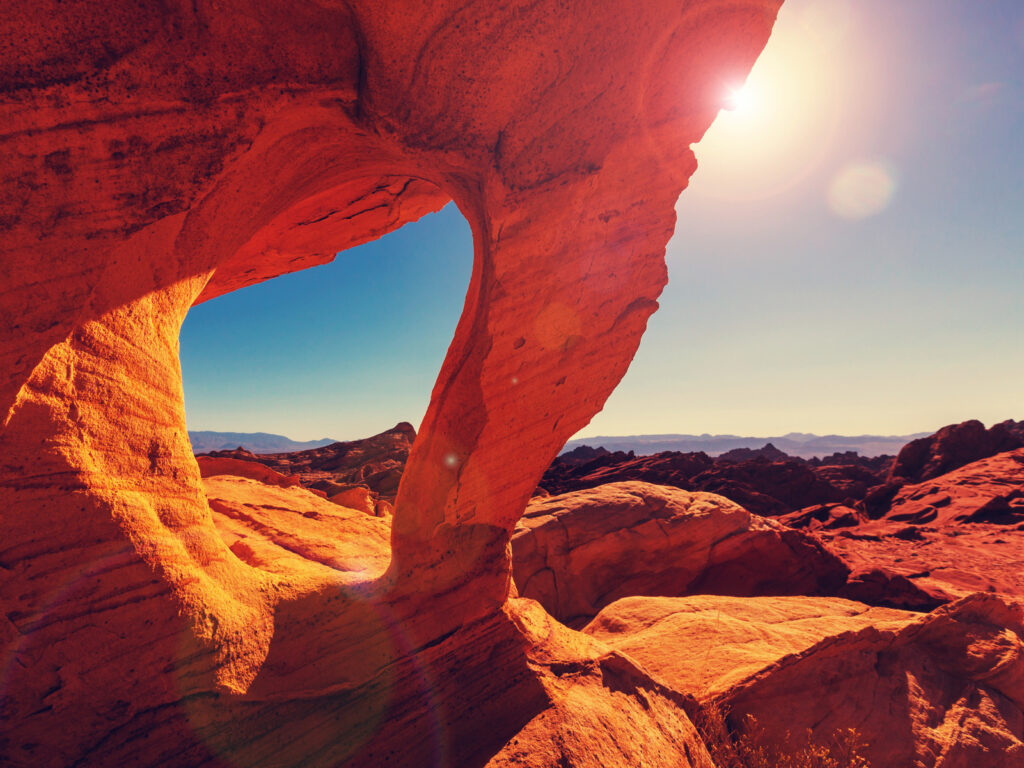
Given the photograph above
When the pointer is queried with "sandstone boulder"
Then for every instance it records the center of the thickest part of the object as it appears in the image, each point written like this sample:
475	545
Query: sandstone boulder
356	497
211	466
943	690
578	552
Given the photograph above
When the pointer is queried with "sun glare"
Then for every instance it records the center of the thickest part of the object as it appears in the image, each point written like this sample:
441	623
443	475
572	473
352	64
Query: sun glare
739	100
779	126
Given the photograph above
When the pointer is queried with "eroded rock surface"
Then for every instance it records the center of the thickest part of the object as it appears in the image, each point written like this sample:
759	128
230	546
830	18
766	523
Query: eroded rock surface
955	534
767	483
727	639
375	463
214	466
290	531
944	689
953	447
578	552
154	155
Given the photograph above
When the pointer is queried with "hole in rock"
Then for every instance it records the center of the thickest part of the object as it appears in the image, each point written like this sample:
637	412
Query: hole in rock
338	352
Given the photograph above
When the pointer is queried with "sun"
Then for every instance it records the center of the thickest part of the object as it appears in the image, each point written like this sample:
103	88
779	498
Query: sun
777	127
739	100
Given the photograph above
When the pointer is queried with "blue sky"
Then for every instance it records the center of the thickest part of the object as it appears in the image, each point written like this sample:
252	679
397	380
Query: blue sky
849	258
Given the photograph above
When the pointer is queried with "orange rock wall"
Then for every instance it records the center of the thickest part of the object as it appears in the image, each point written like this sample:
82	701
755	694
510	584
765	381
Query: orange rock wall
153	155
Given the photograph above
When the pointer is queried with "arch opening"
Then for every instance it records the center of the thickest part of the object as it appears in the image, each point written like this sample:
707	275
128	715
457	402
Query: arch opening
341	352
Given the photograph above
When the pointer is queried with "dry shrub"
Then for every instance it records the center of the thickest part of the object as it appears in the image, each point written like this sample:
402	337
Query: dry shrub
749	746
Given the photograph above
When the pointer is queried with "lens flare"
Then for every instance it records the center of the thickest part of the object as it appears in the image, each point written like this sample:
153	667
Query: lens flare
861	190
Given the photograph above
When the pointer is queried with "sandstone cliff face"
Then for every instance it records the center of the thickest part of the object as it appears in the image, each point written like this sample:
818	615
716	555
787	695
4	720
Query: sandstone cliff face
155	155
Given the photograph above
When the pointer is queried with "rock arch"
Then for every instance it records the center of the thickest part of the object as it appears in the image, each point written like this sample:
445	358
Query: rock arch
194	148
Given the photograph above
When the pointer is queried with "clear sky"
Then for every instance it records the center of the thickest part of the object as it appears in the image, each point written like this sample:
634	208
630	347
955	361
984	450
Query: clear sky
849	258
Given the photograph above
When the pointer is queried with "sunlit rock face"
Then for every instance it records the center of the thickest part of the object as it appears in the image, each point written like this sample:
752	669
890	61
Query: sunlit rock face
578	552
940	689
154	155
949	536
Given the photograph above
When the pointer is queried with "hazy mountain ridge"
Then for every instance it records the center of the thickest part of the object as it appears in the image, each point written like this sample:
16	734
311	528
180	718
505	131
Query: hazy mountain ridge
801	444
204	441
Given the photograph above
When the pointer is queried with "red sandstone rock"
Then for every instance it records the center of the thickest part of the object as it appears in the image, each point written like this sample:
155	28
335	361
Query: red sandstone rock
592	707
603	708
356	497
827	516
768	487
375	462
158	154
944	689
706	644
951	448
853	479
210	466
768	452
952	535
293	532
578	552
753	479
987	491
579	472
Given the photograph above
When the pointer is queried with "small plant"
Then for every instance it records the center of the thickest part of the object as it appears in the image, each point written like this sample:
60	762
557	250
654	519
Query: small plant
750	747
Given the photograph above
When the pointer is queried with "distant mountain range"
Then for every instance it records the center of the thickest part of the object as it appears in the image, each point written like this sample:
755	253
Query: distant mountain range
800	444
257	442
